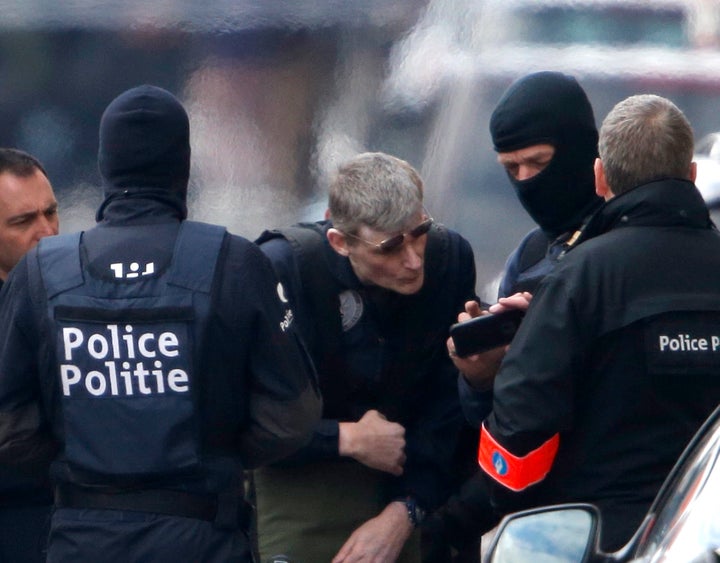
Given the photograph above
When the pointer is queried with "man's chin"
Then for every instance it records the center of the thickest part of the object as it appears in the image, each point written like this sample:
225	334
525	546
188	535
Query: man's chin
410	287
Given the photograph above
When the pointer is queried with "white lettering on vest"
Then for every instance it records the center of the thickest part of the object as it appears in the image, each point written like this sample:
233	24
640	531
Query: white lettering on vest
685	343
123	353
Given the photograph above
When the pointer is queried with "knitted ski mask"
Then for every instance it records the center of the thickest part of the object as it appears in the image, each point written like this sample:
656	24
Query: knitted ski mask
145	149
551	108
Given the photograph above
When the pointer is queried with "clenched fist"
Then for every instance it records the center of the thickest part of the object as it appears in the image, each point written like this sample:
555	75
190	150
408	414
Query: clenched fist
375	442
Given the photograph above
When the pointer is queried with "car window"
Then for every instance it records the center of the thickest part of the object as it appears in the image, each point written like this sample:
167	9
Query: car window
687	520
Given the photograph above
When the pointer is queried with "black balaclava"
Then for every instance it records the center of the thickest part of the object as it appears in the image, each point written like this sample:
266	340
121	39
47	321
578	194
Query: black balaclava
551	108
145	149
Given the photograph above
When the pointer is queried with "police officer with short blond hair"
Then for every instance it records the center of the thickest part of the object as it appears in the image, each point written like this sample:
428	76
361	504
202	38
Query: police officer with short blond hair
617	362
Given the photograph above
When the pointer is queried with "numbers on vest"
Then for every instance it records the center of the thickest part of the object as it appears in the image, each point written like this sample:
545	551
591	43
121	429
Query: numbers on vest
132	270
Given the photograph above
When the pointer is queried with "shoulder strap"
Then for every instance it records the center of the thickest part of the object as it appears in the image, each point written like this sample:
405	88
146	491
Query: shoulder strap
59	262
195	258
534	249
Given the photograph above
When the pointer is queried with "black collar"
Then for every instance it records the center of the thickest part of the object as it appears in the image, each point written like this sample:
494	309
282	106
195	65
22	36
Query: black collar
670	202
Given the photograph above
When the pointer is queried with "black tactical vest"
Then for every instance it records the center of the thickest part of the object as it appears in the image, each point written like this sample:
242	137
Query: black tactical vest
125	364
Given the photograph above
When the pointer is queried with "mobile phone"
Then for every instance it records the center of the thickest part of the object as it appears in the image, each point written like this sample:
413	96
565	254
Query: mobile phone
485	332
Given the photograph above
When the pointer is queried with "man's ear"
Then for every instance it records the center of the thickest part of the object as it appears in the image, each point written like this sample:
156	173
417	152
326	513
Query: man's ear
338	241
692	175
601	186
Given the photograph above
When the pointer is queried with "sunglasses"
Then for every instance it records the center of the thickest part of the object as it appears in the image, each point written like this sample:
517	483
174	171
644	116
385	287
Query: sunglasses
396	241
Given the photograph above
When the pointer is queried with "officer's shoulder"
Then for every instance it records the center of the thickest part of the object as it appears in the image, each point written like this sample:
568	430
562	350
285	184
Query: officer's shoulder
238	247
597	246
277	248
589	257
533	238
240	242
298	241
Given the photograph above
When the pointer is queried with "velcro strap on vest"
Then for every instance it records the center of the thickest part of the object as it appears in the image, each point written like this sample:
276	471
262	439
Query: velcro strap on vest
515	473
225	511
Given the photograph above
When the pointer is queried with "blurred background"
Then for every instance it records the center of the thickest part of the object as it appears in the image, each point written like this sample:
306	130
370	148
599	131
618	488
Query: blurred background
280	92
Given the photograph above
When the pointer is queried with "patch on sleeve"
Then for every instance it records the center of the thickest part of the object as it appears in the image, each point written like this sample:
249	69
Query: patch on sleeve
515	473
683	343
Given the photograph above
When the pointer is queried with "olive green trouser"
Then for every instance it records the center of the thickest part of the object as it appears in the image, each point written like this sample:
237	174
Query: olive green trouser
308	512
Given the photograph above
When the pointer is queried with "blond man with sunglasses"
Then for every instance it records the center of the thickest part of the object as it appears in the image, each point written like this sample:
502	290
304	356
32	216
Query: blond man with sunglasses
375	288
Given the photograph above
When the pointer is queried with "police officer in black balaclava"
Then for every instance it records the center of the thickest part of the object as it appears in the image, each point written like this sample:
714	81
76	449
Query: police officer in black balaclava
155	355
144	152
544	132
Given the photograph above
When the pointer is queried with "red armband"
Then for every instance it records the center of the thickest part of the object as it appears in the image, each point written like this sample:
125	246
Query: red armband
515	473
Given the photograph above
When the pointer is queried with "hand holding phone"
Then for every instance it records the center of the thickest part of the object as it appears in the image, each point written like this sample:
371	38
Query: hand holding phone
485	332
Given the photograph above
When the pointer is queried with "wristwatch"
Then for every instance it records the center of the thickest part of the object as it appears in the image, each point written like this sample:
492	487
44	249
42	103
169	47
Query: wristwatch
415	513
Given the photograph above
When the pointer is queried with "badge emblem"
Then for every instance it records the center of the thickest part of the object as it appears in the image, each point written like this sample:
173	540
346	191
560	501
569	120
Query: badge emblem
351	308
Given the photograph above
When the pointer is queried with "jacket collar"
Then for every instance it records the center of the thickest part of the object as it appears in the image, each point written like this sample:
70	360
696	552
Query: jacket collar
670	202
140	207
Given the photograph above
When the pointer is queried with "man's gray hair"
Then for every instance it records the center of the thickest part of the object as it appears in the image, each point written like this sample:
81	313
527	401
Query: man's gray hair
377	190
644	138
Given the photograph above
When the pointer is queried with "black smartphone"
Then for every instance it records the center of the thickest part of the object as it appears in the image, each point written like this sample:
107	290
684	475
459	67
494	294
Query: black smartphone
486	332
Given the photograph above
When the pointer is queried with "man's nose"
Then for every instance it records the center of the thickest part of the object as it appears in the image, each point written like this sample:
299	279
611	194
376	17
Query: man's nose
525	172
413	257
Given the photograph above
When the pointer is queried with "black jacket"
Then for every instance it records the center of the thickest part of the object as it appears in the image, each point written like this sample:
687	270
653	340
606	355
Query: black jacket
257	401
598	362
392	354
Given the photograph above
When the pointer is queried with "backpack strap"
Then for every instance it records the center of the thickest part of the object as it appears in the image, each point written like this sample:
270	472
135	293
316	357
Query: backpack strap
321	293
319	288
